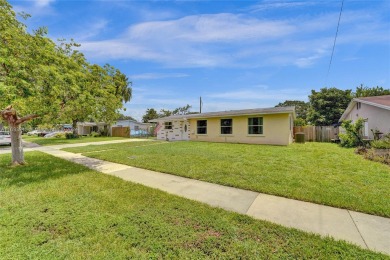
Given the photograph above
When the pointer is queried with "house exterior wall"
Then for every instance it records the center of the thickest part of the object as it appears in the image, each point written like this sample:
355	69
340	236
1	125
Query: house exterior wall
83	130
377	118
180	131
277	130
87	129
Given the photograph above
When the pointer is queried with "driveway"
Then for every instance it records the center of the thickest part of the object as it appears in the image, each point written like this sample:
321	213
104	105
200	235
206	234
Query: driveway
25	145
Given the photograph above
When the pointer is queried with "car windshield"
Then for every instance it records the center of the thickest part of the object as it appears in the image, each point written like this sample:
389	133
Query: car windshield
4	133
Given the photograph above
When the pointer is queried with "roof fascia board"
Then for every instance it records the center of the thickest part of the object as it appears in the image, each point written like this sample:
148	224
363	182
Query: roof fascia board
348	110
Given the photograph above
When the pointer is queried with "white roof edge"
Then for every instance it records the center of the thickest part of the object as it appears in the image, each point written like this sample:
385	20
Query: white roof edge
347	110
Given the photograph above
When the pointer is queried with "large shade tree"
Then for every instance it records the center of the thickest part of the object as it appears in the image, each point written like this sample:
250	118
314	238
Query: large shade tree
362	91
40	79
327	105
301	110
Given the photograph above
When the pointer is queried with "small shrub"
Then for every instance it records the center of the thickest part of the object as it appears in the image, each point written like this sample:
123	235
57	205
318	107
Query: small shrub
71	136
95	134
353	133
103	132
59	135
380	144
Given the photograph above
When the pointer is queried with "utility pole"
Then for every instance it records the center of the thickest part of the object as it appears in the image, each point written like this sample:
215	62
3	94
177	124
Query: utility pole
200	104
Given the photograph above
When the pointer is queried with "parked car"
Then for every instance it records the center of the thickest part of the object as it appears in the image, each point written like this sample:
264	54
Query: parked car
53	134
34	132
38	133
5	138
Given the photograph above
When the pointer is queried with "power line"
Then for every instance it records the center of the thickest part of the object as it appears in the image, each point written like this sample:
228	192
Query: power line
334	42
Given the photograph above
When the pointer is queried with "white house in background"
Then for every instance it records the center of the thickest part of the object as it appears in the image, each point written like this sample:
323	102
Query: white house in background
136	128
257	126
374	110
85	128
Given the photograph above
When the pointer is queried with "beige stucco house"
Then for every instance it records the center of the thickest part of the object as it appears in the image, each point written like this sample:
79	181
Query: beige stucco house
374	110
254	126
85	128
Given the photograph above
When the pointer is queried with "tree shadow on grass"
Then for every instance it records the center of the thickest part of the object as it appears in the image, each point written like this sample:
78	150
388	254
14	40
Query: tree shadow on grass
40	167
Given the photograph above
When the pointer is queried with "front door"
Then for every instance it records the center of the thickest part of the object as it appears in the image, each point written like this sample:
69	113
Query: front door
184	131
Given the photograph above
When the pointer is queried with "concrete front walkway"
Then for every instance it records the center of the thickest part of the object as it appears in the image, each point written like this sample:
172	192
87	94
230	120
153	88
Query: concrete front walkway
365	230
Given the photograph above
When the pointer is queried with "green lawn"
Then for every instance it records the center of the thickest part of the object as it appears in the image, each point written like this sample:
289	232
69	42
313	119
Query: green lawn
54	209
317	172
53	140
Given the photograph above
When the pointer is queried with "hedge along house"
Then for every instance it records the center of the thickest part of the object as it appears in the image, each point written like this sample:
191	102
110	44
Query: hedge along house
254	126
374	110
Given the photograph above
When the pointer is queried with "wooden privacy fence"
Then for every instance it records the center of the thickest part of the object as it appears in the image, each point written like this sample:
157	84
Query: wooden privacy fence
318	133
120	131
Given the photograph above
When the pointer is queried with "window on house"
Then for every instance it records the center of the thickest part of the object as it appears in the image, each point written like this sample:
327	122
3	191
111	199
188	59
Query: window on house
358	105
226	126
201	127
255	125
168	125
136	128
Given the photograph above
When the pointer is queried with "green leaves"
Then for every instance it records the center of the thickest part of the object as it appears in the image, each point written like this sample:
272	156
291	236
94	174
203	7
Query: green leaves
37	76
327	105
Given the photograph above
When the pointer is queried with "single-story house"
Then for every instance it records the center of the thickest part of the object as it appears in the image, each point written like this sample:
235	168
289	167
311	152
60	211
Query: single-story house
256	126
85	128
374	110
136	128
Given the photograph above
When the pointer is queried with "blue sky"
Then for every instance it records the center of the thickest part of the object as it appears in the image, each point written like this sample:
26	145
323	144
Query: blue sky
235	54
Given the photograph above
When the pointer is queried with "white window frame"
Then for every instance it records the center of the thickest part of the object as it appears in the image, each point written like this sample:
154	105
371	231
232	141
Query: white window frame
260	125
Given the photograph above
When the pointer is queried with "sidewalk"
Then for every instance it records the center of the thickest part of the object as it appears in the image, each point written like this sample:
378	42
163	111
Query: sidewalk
364	230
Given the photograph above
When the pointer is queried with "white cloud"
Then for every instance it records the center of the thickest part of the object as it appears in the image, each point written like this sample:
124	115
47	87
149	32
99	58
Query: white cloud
158	75
93	28
258	94
237	40
43	3
212	28
269	5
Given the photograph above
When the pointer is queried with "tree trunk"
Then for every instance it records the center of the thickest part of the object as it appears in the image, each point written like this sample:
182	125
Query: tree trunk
14	123
74	126
16	146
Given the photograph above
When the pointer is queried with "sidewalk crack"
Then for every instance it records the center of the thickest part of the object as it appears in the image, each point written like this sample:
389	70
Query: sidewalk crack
247	210
358	229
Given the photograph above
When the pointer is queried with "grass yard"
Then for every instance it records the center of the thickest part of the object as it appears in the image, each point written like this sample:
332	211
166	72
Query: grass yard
54	209
317	172
53	140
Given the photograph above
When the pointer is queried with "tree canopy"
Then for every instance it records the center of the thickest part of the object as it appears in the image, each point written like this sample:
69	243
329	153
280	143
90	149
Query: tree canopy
301	109
327	105
151	113
52	82
362	91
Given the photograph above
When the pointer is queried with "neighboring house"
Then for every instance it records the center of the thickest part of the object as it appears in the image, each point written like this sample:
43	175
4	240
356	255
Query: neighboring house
85	128
136	128
257	126
374	110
